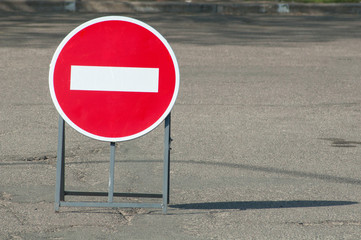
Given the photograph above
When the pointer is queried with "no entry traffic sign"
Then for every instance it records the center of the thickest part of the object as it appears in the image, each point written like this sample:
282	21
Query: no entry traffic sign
114	78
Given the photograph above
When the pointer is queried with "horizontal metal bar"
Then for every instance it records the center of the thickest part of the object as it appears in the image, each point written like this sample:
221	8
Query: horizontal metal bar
113	204
105	194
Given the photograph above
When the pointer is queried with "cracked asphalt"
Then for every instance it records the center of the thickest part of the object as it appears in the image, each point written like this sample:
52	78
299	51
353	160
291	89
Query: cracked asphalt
266	133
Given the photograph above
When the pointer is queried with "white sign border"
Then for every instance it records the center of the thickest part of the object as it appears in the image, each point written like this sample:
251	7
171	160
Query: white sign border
103	19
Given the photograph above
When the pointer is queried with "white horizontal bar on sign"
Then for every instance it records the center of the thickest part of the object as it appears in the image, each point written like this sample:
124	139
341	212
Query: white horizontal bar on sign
119	79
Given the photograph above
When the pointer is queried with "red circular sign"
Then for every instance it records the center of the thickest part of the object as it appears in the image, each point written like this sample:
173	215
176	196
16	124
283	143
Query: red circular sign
114	78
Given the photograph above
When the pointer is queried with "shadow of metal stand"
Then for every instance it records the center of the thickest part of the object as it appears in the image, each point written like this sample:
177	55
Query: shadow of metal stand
60	191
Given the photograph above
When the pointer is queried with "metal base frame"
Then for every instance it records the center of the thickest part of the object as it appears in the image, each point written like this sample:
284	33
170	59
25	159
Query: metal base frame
60	192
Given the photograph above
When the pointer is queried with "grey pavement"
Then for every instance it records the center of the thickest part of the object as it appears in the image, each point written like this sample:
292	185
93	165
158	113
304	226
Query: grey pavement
266	133
225	7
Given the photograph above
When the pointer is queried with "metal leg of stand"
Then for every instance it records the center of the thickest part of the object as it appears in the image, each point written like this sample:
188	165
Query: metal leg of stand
60	165
60	177
111	172
166	168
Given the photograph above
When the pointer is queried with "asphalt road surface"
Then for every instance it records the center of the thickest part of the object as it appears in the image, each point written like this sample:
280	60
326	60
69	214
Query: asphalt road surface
266	129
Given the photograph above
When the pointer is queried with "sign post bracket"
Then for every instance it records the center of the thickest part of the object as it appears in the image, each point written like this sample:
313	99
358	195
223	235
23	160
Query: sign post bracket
60	192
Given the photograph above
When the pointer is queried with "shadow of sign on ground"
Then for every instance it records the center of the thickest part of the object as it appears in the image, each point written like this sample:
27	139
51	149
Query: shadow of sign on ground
260	205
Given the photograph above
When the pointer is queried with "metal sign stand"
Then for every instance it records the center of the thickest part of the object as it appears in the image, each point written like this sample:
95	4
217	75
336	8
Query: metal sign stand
60	192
